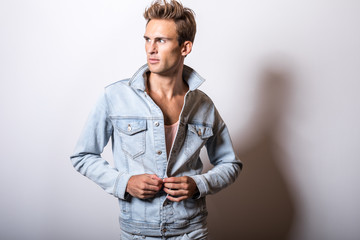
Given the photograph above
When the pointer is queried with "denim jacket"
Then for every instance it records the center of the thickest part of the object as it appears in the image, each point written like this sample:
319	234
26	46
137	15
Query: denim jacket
135	124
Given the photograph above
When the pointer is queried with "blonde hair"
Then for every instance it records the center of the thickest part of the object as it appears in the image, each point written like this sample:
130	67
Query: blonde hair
183	17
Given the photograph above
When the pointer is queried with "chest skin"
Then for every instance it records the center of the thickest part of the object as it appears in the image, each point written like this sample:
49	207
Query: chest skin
171	108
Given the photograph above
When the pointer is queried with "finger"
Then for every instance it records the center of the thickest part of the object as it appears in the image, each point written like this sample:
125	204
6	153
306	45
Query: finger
173	192
153	188
148	192
153	181
151	184
145	193
145	196
175	179
154	176
175	185
176	199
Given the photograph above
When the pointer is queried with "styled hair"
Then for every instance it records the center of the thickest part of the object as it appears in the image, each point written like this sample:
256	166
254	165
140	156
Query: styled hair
183	17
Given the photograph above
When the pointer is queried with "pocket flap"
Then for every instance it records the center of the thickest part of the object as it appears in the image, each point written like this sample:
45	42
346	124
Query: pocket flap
130	126
200	130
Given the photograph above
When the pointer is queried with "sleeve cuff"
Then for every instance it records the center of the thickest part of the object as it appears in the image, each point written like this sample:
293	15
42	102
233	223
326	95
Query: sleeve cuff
200	185
120	186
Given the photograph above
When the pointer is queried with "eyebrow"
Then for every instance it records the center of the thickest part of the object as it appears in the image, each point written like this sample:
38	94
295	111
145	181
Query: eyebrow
156	38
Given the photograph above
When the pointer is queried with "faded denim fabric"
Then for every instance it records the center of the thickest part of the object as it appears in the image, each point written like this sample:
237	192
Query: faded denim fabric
135	124
200	233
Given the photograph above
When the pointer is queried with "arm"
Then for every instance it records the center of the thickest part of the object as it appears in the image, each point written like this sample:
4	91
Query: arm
227	166
87	159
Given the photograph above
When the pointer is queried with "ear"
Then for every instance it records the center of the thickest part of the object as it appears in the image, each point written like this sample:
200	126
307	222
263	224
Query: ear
186	48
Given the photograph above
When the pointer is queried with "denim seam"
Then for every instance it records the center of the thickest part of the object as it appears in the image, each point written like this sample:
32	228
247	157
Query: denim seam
116	192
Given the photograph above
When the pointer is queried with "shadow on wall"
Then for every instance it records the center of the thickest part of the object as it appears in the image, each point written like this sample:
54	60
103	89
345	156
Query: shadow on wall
259	205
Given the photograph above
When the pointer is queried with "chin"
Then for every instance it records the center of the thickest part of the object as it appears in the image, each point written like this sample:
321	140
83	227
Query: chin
154	69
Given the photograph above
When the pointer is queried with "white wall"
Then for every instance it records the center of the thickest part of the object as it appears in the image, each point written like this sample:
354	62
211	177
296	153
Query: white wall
283	74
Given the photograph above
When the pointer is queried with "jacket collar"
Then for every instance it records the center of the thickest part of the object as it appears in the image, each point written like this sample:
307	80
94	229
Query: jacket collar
193	79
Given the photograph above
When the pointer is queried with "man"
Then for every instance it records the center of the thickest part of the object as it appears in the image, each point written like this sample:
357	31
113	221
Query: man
158	121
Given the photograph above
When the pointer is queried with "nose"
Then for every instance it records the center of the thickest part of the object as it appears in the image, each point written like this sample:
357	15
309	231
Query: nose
151	47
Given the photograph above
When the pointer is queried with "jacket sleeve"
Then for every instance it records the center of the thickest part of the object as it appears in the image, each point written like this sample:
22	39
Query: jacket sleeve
227	165
87	159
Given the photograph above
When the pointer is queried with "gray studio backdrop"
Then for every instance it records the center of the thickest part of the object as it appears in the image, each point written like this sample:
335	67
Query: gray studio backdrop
283	74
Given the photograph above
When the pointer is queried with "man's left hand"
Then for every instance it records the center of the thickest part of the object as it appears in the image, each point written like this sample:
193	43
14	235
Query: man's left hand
179	188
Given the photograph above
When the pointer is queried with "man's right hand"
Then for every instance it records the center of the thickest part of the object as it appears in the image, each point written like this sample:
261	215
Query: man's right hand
144	185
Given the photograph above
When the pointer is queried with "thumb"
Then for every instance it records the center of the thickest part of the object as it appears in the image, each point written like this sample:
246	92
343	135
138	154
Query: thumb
154	176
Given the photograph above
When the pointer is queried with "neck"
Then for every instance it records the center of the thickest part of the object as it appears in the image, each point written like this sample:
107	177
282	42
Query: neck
167	86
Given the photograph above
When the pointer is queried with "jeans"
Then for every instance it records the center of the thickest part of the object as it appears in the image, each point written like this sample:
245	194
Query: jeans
198	234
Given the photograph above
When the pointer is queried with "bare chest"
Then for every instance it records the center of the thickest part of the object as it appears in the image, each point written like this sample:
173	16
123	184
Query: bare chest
171	109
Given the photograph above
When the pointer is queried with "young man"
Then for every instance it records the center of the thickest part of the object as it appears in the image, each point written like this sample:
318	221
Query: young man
158	121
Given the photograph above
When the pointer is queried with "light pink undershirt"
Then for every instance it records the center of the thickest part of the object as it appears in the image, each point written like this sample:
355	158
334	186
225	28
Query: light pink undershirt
170	132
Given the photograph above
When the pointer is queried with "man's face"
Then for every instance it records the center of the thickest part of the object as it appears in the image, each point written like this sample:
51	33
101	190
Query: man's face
164	55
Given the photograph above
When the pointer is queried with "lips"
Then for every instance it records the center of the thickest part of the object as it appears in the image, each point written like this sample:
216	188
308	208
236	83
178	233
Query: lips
153	60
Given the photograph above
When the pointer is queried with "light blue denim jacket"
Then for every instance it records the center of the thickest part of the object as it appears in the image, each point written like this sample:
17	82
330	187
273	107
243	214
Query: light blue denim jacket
135	124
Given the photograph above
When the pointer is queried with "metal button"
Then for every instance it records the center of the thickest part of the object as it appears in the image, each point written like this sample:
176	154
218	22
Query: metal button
129	128
199	132
157	124
164	230
159	152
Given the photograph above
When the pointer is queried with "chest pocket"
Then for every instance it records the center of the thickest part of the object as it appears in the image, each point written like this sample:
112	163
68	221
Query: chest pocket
132	133
196	137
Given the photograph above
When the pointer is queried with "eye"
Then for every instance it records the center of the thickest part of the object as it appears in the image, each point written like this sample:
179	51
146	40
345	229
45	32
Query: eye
162	40
147	39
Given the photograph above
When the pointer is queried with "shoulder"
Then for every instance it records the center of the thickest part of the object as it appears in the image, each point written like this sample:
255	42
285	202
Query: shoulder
200	96
204	107
116	87
118	84
201	108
